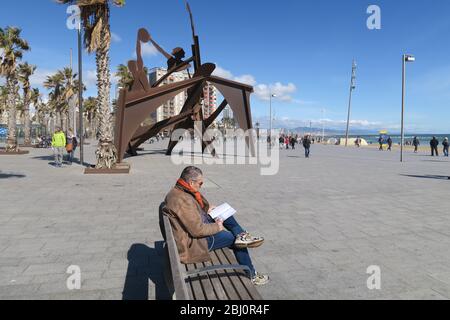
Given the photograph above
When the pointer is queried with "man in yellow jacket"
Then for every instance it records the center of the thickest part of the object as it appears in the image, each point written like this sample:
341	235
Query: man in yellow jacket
59	144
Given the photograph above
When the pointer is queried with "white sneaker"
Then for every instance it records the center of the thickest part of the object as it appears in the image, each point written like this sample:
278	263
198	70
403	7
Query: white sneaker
246	240
260	279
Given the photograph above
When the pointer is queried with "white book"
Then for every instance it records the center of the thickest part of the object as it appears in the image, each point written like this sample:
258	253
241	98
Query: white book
222	212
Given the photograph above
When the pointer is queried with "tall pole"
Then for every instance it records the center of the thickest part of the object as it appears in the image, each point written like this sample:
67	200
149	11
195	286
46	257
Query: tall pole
323	125
352	87
403	105
270	112
80	94
74	124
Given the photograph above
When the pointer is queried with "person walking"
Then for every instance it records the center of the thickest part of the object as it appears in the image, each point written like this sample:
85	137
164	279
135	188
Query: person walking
445	144
286	142
58	145
416	144
307	146
434	143
380	141
389	141
293	141
72	144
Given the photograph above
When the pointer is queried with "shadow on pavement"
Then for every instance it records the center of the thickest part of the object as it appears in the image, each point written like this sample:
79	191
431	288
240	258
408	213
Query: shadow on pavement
427	177
145	264
45	158
10	175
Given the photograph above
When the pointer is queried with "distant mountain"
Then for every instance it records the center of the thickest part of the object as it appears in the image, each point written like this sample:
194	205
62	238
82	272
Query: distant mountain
333	131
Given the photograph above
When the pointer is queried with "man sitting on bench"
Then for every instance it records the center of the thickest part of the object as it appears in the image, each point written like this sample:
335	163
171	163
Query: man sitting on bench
197	234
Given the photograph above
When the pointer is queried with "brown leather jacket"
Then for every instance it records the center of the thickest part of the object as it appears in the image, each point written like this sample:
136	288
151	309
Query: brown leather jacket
190	232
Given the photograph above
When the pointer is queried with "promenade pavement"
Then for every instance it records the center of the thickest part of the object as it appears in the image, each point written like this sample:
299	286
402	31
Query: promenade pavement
325	220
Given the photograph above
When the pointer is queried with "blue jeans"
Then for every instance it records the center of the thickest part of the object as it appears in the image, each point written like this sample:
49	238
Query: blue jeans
226	239
307	151
70	155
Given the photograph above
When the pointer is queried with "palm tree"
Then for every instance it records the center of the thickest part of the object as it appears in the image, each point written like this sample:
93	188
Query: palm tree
3	98
35	99
125	76
25	71
69	91
97	38
56	103
13	47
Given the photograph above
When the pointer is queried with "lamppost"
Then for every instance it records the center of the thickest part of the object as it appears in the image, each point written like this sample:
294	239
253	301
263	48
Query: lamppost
352	87
257	130
405	58
271	118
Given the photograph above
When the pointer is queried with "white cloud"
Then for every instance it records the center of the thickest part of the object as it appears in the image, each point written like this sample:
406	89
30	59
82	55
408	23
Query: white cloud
40	76
220	72
262	91
115	37
282	92
247	79
149	50
90	79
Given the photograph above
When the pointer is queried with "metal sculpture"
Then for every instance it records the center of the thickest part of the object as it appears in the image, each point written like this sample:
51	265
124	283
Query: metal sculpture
136	104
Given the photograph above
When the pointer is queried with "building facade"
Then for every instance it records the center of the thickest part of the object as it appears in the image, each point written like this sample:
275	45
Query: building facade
174	106
209	100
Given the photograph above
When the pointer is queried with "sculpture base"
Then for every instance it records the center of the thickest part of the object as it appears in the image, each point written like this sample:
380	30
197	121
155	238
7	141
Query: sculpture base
120	168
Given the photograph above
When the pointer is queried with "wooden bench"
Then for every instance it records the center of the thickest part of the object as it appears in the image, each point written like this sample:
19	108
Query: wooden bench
220	279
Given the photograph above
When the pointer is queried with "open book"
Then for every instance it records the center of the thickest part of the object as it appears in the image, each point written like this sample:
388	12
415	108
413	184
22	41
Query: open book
222	212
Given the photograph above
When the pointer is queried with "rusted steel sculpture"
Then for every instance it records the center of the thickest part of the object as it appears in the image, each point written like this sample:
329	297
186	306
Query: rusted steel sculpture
136	104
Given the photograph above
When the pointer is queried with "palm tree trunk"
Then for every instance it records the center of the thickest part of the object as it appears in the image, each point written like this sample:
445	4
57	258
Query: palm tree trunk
27	120
11	142
27	127
57	119
64	120
106	152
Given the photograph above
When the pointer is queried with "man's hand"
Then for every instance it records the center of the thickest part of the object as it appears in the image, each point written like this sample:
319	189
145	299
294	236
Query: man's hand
211	209
220	224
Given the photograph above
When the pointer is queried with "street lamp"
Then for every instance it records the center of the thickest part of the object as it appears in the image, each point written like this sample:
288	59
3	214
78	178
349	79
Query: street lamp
271	118
352	87
405	58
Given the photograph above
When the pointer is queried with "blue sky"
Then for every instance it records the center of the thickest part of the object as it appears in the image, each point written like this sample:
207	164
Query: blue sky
303	50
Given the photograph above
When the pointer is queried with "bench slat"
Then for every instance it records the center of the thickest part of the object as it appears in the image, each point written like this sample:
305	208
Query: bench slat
203	280
236	284
227	285
212	285
246	282
197	290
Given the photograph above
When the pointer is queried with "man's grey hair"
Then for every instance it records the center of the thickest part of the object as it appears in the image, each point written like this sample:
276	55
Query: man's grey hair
191	174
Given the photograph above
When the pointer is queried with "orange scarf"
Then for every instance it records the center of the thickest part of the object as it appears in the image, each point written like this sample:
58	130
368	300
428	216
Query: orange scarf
186	186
